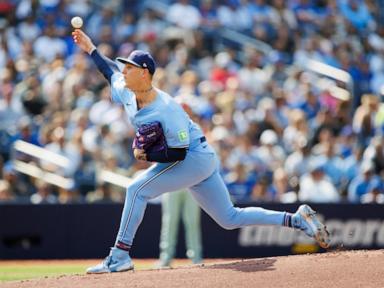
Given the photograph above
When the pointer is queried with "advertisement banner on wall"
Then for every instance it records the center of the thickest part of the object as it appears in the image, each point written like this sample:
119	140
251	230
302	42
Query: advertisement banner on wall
87	231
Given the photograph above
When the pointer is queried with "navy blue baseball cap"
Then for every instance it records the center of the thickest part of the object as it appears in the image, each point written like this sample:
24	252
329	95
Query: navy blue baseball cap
140	59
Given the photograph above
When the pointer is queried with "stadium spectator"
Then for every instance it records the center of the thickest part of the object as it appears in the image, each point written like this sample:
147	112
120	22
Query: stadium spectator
5	192
375	194
184	15
230	15
240	182
10	109
363	120
28	29
357	14
375	154
149	24
297	163
43	194
270	153
316	187
104	193
282	15
19	184
49	39
332	164
63	148
103	18
361	183
280	187
262	16
25	132
297	129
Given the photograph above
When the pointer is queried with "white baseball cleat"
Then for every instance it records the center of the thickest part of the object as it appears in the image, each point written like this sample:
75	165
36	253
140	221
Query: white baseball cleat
305	219
117	261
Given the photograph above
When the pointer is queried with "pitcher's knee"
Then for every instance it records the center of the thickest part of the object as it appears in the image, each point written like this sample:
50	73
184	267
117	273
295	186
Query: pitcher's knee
134	186
138	191
231	220
145	194
227	224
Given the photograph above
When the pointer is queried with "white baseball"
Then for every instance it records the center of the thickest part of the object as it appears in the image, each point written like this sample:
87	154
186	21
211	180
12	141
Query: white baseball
77	22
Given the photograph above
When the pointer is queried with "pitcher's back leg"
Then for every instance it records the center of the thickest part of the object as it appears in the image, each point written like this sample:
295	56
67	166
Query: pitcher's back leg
213	196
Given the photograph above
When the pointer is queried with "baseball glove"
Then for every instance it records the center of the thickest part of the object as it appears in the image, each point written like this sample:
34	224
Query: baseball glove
150	138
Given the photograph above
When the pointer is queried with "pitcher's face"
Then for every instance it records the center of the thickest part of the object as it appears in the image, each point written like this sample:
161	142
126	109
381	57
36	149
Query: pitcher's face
134	76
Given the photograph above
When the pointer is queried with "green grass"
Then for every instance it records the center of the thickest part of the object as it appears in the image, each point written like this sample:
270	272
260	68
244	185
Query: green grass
28	270
21	272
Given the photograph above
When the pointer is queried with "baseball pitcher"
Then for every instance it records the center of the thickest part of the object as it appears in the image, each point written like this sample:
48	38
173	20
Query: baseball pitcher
183	159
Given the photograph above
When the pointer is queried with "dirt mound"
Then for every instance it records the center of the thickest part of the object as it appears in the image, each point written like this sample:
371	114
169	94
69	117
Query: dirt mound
336	269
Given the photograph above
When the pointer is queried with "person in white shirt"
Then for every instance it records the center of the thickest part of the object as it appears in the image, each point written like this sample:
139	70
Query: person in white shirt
48	46
270	152
63	148
316	187
184	15
28	29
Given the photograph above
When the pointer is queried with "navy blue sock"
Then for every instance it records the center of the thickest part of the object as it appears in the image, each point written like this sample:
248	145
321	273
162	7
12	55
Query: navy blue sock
287	222
123	246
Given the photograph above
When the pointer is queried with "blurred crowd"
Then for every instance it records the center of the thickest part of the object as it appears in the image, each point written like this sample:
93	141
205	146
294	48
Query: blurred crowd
281	134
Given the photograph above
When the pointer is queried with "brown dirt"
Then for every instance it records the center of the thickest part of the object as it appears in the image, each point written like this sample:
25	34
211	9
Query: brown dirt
335	269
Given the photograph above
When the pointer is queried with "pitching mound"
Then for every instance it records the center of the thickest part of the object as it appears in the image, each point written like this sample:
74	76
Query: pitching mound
336	269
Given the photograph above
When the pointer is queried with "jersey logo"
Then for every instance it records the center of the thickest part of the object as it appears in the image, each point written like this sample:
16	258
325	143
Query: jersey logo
183	135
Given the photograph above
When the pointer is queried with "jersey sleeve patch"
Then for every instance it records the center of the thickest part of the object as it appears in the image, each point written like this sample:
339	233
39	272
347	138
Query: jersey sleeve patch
183	135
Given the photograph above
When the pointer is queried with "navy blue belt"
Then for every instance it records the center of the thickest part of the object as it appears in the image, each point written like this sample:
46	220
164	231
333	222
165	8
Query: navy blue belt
197	142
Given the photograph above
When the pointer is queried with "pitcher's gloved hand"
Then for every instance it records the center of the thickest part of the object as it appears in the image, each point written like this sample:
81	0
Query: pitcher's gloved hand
149	138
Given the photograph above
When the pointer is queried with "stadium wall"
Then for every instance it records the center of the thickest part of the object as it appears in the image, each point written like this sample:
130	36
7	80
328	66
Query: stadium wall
87	231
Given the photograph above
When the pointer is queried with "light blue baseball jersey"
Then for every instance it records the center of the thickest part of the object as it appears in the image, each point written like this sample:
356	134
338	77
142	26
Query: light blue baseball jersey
179	130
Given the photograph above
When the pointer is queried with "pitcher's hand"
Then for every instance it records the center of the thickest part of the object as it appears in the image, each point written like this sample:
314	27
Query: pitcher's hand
140	154
83	41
